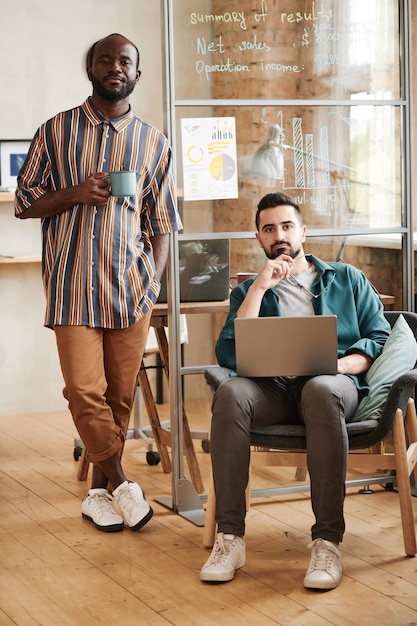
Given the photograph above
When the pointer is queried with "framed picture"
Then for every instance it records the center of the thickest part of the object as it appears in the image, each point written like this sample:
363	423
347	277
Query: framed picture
12	156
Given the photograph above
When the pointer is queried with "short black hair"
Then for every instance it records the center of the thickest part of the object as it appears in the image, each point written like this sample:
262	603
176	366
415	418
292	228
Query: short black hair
90	53
272	200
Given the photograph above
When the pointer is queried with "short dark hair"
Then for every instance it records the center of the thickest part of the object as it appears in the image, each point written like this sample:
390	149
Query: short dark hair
272	200
90	53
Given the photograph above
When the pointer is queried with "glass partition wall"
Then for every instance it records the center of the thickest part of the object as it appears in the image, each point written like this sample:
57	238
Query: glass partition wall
310	98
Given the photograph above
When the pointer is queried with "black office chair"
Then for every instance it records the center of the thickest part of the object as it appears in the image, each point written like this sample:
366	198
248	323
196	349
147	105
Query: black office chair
284	445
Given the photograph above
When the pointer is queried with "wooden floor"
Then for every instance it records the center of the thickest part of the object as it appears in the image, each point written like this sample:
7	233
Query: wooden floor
56	569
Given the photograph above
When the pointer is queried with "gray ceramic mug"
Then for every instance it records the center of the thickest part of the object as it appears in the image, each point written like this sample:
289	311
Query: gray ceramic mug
123	183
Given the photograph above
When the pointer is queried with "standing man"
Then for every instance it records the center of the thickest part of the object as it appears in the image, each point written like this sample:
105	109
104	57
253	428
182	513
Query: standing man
293	283
102	261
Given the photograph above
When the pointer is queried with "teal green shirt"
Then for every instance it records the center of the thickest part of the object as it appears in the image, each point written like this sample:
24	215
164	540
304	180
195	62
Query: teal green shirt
345	292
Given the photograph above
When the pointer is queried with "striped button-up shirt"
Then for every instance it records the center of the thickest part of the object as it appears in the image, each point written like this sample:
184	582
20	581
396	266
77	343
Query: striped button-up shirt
97	262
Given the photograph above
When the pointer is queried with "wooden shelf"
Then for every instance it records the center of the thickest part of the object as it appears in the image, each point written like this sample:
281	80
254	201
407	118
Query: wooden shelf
12	260
5	259
6	196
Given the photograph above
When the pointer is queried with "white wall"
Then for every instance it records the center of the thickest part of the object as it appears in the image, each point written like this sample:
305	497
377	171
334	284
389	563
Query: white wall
42	47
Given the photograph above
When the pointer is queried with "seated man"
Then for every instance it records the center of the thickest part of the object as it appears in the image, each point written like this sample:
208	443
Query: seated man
292	283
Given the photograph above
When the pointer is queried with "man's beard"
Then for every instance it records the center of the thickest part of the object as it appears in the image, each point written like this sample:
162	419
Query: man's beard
282	248
113	96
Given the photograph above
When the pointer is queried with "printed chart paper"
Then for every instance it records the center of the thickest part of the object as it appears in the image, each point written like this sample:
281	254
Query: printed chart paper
209	158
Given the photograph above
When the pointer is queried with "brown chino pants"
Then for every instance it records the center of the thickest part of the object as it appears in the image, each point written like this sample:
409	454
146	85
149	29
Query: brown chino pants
100	368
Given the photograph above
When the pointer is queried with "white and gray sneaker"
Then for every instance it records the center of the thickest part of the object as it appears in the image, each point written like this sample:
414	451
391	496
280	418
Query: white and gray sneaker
97	507
129	501
227	556
325	569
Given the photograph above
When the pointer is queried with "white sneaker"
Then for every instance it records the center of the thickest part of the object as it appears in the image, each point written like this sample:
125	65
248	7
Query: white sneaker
325	569
129	500
227	556
97	507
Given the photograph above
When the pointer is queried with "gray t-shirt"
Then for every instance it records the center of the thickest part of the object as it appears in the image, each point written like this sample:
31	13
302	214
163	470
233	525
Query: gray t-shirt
295	294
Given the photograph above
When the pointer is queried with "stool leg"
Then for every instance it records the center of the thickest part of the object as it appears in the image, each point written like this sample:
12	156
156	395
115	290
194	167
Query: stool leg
84	465
189	450
190	455
158	432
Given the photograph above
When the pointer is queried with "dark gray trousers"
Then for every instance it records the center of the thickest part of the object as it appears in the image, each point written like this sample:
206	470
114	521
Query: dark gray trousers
323	403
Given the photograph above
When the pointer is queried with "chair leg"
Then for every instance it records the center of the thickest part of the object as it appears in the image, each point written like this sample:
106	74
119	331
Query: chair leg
300	473
403	483
209	530
411	426
248	492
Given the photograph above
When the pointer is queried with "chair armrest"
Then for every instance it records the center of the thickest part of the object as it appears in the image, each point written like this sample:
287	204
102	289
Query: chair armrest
217	375
401	391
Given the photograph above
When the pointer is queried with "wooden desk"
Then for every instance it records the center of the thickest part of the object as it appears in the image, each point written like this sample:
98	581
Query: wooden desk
160	310
387	301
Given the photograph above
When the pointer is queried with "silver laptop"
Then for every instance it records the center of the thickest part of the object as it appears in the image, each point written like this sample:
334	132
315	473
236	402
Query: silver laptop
286	346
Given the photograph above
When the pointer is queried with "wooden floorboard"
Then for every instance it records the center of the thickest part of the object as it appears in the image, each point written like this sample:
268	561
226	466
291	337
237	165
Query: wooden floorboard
56	569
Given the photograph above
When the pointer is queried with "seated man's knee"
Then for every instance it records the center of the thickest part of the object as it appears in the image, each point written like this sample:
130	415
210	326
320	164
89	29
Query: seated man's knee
320	398
232	398
319	386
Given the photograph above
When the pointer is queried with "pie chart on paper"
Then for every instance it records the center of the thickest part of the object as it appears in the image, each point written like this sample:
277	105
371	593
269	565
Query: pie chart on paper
195	154
222	167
